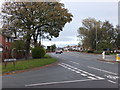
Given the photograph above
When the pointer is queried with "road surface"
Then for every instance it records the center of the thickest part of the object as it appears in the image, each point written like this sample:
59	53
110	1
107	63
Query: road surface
74	70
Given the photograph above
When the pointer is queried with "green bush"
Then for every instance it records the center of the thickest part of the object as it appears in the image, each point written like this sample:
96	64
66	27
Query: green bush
38	52
91	51
98	52
107	53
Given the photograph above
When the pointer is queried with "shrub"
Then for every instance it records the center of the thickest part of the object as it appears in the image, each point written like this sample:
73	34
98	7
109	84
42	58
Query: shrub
98	52
38	52
91	51
107	53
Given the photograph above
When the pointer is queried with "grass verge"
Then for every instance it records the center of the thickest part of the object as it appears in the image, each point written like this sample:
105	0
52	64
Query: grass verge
27	64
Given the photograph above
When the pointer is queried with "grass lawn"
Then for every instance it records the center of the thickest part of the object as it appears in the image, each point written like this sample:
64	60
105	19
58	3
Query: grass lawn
27	64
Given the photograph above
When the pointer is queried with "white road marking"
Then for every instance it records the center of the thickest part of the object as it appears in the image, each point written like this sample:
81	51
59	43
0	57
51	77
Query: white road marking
109	62
75	62
102	70
84	73
77	71
111	81
91	78
99	77
48	83
111	77
66	67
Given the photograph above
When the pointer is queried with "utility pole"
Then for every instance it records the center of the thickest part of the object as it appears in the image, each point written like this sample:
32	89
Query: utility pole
96	36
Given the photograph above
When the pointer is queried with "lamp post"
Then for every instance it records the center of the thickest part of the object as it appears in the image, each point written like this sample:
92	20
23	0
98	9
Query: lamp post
1	49
96	36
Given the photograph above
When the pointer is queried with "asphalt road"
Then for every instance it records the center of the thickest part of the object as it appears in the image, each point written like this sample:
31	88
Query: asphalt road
74	70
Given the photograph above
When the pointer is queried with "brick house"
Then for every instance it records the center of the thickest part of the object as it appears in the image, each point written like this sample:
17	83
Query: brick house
5	42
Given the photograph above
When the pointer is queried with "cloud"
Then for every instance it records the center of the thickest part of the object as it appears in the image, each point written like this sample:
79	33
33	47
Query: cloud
60	43
89	0
81	10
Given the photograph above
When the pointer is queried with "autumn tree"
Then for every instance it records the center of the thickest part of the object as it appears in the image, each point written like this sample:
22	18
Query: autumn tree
34	20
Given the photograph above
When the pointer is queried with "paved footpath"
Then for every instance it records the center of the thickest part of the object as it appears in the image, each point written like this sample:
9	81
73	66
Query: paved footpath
108	58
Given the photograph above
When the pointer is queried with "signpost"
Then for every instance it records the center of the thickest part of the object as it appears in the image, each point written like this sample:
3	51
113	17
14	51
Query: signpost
9	60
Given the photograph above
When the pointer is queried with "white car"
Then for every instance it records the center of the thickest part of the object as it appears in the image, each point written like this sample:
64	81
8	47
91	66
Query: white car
58	51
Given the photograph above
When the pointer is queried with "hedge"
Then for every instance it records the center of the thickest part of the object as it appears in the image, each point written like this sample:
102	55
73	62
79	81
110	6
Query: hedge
38	52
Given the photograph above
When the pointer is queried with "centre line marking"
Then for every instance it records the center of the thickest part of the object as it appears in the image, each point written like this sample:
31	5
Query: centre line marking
75	62
39	84
102	70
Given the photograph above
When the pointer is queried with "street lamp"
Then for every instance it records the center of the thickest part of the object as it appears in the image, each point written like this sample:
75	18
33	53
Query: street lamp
1	49
96	36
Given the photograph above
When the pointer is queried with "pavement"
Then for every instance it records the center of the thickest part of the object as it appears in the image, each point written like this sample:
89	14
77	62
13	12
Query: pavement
109	58
74	70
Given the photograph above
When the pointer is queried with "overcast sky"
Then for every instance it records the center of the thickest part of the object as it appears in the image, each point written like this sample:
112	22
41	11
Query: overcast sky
81	10
100	10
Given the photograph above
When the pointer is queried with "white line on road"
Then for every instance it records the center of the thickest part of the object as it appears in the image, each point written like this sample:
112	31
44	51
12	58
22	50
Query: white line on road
83	74
81	71
39	84
111	77
109	62
111	81
102	70
75	62
77	71
92	78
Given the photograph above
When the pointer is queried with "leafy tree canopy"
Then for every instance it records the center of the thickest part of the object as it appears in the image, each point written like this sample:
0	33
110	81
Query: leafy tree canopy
34	20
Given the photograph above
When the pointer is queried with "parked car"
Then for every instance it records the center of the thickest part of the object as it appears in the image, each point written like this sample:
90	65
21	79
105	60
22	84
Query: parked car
59	51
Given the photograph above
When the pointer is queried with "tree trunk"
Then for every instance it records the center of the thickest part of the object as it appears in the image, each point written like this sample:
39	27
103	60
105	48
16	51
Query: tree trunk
35	43
27	46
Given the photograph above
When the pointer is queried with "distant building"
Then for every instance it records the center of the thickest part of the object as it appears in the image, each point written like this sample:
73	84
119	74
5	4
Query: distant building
75	47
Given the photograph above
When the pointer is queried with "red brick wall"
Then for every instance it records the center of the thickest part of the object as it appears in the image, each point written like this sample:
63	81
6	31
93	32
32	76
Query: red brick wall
6	53
1	39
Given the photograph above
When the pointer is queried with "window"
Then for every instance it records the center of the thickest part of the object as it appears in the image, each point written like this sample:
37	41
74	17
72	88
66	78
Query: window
7	39
6	48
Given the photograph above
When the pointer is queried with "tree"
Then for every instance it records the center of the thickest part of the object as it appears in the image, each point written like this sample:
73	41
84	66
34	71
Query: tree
17	49
18	45
107	38
35	19
87	33
53	47
96	34
117	40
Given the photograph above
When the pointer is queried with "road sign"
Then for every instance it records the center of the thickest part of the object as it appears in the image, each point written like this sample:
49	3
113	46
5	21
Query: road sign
118	57
9	60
